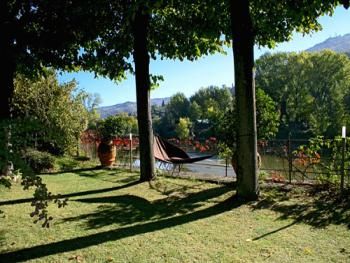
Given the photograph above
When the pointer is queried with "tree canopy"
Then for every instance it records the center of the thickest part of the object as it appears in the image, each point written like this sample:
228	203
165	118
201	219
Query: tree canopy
310	89
54	113
267	118
47	116
203	110
43	33
116	126
144	30
264	23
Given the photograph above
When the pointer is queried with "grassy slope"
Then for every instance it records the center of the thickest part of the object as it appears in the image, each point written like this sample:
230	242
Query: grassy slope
112	218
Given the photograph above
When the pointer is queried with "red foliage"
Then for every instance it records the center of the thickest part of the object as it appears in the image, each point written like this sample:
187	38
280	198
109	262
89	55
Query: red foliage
262	143
90	137
277	177
208	145
305	160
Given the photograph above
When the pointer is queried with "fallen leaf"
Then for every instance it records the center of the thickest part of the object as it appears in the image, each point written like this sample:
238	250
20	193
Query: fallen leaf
78	258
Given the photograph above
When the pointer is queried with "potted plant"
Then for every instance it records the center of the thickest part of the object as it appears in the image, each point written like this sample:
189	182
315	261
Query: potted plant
108	129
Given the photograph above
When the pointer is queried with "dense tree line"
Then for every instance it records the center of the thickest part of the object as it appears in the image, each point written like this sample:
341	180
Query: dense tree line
203	110
312	91
210	112
301	94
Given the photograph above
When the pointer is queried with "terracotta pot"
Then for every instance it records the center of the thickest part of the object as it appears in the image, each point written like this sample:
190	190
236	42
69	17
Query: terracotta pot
107	153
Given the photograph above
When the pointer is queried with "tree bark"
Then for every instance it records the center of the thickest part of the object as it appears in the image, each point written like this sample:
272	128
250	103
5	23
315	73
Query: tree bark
8	67
7	75
143	88
243	50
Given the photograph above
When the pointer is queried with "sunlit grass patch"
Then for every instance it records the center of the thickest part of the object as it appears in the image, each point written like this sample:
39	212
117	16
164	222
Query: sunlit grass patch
111	217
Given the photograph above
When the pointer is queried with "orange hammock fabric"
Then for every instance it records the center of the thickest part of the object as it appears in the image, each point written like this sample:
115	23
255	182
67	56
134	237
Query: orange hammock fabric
169	153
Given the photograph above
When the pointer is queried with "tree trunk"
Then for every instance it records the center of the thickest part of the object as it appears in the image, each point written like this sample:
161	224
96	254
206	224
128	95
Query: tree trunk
7	72
243	50
143	88
6	83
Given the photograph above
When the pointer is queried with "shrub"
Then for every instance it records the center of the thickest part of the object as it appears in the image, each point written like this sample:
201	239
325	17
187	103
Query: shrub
39	161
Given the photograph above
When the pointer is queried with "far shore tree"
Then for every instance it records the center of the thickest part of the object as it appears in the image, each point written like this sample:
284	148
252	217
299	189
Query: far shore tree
312	90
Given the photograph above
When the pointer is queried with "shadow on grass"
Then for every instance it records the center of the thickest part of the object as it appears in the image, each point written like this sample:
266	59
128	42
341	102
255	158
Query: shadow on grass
88	192
74	170
311	206
129	209
88	173
275	231
187	203
2	238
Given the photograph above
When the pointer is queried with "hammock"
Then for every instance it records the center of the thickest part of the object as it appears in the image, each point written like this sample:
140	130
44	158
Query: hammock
168	153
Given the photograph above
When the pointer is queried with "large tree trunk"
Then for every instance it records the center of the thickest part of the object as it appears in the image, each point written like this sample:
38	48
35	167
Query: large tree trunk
243	50
7	65
143	88
7	74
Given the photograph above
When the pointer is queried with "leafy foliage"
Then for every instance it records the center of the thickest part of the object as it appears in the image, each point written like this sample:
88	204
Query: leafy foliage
267	117
53	114
39	161
267	123
91	103
203	110
311	90
209	104
169	36
177	107
28	178
47	116
47	33
118	125
330	168
183	128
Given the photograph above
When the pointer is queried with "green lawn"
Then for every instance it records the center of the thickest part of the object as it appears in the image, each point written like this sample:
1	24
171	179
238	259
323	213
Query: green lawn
113	218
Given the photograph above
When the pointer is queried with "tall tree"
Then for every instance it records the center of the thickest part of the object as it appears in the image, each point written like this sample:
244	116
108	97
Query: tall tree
267	119
309	89
143	30
36	33
265	23
141	57
41	32
211	103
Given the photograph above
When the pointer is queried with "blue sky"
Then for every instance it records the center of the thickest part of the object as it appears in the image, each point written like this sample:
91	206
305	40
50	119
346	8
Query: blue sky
188	77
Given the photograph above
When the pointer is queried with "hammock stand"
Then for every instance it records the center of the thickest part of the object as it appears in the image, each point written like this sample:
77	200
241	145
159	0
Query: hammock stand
172	157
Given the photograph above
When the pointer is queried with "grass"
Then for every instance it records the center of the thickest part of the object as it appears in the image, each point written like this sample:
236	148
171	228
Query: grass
67	163
111	217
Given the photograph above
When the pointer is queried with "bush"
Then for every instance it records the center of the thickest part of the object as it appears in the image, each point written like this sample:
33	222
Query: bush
39	161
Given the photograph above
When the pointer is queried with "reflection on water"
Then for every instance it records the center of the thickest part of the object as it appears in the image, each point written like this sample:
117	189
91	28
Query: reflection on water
212	166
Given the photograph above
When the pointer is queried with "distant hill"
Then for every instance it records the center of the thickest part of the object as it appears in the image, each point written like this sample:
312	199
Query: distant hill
338	44
127	107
